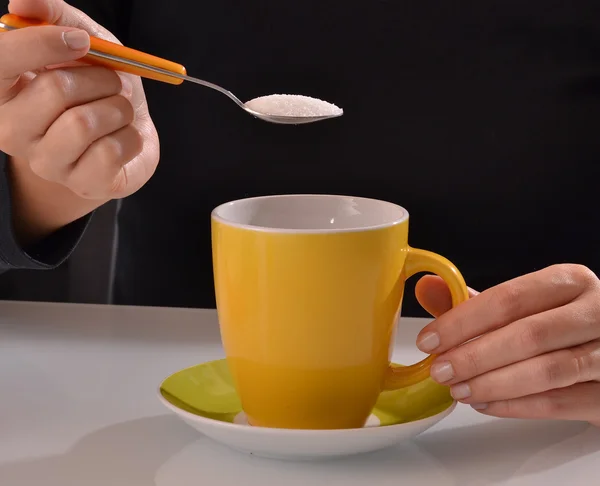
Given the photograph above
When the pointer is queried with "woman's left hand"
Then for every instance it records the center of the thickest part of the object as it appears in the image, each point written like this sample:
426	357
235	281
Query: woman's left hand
537	347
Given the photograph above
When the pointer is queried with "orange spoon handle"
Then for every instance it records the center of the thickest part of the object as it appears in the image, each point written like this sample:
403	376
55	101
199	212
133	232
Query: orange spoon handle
114	56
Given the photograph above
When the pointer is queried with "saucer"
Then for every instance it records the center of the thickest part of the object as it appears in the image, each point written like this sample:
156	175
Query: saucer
205	398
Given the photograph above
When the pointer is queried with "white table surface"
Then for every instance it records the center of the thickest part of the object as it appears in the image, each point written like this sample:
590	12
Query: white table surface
78	407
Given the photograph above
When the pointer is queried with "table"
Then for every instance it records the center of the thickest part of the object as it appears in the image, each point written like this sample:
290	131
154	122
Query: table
78	407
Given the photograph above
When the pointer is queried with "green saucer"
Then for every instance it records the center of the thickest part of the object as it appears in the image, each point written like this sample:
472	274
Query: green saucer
207	390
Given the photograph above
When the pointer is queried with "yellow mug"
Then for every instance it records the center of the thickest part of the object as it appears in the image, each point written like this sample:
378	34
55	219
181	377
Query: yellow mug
309	289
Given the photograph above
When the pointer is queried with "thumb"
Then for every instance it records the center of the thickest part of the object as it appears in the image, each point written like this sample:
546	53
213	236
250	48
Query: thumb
60	13
434	296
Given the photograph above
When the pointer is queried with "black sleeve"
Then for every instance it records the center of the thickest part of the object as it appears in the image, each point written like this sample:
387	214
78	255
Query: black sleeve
47	254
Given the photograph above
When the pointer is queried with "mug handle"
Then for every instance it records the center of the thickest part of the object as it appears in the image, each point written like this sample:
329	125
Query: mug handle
426	261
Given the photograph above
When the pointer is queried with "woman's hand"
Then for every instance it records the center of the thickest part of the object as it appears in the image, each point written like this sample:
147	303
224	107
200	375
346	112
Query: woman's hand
527	348
86	128
77	135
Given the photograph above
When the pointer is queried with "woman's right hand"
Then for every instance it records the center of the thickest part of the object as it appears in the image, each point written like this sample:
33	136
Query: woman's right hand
84	128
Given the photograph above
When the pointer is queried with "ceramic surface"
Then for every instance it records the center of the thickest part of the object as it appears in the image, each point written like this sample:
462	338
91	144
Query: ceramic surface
204	397
308	292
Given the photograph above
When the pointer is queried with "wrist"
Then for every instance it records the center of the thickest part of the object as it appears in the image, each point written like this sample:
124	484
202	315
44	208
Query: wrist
41	207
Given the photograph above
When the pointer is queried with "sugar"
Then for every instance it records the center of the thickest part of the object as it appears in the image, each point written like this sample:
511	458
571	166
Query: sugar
293	106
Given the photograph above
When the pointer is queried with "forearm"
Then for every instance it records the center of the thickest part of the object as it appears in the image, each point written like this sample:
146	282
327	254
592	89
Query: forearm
40	207
40	252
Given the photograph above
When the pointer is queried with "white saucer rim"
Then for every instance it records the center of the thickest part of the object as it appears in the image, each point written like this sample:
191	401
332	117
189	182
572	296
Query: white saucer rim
297	432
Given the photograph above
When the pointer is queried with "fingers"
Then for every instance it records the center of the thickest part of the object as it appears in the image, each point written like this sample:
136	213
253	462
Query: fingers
35	9
29	114
74	131
101	171
60	13
557	369
79	132
528	348
434	296
31	49
496	307
576	402
565	327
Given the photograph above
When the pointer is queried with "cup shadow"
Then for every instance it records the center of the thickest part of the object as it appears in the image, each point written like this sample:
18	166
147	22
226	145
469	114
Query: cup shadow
124	454
485	453
501	449
140	452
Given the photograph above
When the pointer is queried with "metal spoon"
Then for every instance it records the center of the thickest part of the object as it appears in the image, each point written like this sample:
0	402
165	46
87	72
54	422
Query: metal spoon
280	119
124	59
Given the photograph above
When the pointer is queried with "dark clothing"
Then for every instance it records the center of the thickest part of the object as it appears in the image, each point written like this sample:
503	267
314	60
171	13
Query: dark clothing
480	117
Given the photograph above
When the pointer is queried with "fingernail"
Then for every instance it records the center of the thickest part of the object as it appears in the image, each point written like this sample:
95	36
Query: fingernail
77	40
442	372
479	406
428	341
460	391
127	86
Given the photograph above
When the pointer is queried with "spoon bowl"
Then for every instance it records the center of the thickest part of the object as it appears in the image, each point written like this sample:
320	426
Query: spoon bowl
289	120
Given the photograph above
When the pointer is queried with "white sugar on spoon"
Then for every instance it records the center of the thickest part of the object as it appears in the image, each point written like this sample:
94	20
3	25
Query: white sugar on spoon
293	109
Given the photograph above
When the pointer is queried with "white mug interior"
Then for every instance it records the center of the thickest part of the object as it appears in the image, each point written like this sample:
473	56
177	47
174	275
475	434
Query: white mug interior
309	213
